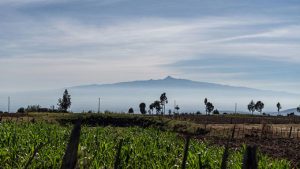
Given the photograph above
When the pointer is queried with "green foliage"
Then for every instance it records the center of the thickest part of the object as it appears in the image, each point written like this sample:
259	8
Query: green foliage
251	106
259	106
216	111
163	101
130	110
209	107
141	148
65	102
143	108
21	110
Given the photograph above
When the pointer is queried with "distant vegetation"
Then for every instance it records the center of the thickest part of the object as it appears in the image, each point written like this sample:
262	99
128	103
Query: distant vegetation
157	107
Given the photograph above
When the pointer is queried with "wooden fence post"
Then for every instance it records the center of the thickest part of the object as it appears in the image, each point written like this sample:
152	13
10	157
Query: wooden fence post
225	156
290	134
70	157
117	157
186	149
232	134
250	159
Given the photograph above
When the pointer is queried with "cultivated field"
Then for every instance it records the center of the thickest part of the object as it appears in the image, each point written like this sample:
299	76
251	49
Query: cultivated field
39	140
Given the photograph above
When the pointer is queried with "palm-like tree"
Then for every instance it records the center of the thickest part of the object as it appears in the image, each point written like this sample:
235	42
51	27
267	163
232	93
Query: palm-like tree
251	106
177	108
163	101
209	107
278	108
157	106
259	106
151	107
205	103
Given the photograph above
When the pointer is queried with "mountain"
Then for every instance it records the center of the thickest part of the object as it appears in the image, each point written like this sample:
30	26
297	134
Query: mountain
171	82
188	94
168	82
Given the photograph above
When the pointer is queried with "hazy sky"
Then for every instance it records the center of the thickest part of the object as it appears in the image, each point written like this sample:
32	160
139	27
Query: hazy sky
58	43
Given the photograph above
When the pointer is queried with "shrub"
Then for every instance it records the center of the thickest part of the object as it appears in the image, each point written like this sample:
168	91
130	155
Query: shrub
21	110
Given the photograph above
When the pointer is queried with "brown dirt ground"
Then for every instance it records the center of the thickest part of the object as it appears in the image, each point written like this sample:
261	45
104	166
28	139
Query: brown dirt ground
280	148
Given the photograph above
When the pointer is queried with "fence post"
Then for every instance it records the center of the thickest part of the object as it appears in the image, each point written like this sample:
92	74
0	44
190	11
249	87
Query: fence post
232	134
290	134
70	157
186	149
250	159
225	156
117	157
200	162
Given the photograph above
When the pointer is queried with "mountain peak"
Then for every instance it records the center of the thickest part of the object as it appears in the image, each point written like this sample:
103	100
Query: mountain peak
169	78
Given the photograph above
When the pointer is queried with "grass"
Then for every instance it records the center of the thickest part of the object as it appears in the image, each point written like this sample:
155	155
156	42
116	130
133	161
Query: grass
141	148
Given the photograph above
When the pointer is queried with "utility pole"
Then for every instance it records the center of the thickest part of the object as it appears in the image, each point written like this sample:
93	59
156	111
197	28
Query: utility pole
99	105
174	105
8	104
235	108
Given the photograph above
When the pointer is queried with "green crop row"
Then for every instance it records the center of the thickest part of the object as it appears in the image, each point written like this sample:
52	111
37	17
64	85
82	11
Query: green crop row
141	148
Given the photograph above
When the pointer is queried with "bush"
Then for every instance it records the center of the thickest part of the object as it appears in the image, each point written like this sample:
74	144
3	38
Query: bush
130	110
21	110
216	111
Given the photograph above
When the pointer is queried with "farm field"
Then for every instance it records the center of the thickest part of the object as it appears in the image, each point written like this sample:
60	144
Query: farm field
142	148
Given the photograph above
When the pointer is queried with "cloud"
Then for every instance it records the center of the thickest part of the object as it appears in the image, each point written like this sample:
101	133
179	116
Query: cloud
53	47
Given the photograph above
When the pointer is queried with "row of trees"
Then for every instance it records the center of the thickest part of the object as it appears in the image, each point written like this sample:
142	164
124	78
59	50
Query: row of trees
63	104
259	106
159	106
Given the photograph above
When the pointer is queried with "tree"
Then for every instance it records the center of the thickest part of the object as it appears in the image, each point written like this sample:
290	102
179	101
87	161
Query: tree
259	106
163	101
151	107
65	102
130	111
170	112
143	108
21	110
278	108
251	107
298	109
177	109
209	107
157	106
205	103
216	111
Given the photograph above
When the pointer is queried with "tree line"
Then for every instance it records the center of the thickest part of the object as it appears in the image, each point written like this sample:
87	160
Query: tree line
159	106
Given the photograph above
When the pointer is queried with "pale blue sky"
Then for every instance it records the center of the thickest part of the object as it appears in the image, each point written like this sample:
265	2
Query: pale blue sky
57	43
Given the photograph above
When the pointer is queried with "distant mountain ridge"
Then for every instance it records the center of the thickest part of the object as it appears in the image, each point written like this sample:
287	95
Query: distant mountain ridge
171	82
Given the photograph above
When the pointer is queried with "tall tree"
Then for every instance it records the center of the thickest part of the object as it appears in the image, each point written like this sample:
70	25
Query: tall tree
205	103
177	109
278	108
259	106
251	107
143	108
163	101
298	109
157	106
151	107
65	102
209	107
